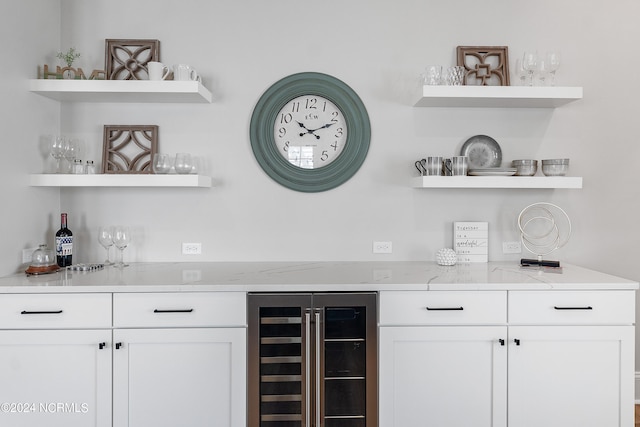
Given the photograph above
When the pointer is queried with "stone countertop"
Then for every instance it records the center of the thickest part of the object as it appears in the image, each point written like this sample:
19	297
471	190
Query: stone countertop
314	276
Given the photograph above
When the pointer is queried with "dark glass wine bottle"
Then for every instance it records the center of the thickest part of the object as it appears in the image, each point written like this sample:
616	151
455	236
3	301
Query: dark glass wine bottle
64	243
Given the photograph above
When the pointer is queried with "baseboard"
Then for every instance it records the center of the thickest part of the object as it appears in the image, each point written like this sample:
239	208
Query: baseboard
637	388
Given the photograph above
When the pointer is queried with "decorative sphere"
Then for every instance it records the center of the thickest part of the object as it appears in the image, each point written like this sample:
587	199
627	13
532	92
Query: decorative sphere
446	256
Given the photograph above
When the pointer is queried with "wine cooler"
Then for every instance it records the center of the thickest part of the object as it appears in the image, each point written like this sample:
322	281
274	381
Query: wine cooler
312	360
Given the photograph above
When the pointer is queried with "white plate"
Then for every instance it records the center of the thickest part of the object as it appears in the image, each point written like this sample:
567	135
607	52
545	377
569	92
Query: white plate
492	172
483	152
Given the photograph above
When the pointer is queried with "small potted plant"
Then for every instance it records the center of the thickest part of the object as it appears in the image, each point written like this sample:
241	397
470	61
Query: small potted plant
68	57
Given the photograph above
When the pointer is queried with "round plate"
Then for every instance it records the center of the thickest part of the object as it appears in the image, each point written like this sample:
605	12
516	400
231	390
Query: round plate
483	152
492	172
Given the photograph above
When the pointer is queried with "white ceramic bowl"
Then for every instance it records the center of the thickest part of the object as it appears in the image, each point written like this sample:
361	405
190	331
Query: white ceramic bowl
525	167
555	167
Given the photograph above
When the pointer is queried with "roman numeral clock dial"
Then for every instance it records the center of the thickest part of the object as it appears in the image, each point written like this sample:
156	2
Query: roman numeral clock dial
310	132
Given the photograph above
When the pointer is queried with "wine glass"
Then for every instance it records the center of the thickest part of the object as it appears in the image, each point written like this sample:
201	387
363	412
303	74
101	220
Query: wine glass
543	71
121	239
520	72
56	147
530	63
106	241
553	63
70	150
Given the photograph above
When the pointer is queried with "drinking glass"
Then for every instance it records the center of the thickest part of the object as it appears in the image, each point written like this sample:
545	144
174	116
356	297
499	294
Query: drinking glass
553	63
161	163
121	239
543	71
183	164
530	63
56	147
71	148
106	241
520	72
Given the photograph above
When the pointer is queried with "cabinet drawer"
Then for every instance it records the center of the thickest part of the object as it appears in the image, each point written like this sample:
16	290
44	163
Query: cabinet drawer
179	309
55	311
571	307
443	307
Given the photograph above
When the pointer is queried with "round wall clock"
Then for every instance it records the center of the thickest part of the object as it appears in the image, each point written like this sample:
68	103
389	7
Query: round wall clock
310	132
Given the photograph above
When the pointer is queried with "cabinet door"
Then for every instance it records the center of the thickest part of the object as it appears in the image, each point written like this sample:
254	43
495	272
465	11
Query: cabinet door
179	377
443	376
55	378
571	376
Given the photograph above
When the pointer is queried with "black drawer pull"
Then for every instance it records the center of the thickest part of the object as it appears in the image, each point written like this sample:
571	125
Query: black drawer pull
501	341
186	310
445	308
41	312
572	308
102	345
517	341
118	345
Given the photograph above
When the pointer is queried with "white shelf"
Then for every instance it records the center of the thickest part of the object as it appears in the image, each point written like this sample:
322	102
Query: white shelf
143	91
497	96
568	182
119	180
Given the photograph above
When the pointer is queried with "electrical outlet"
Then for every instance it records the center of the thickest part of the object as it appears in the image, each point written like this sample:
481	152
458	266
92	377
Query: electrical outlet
382	247
511	247
191	248
27	255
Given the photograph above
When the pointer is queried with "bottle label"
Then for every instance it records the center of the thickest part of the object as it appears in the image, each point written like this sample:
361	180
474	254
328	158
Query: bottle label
64	245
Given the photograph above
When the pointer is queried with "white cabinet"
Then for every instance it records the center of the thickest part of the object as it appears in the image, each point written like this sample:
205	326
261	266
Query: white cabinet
179	359
182	376
55	360
557	358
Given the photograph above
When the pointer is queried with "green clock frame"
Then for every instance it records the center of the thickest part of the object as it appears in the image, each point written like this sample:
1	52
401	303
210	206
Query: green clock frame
261	132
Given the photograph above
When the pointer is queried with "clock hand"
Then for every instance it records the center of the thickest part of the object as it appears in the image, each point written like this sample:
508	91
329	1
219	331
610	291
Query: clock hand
307	130
323	127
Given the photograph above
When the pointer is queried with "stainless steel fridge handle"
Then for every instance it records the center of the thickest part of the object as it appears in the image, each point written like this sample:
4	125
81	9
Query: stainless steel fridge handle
307	318
318	376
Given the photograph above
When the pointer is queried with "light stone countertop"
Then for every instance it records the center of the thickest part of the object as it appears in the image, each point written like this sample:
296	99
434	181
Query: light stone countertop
314	277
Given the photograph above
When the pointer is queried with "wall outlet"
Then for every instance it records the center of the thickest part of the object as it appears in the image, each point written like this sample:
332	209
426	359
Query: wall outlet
382	247
191	248
27	255
511	247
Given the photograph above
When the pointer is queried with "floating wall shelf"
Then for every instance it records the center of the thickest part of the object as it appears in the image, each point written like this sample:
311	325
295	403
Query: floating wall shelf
567	182
119	180
143	91
497	96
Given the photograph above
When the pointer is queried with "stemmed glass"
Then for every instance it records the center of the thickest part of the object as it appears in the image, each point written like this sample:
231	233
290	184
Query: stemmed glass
520	72
70	150
553	63
543	71
106	241
121	239
56	147
530	63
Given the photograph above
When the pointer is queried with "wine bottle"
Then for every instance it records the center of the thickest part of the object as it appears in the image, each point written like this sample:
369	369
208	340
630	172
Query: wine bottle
64	243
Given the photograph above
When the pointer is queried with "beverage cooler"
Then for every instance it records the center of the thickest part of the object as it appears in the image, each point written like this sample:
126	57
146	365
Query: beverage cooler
312	360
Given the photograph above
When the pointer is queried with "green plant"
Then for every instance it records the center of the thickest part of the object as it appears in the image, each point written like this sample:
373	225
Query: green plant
68	57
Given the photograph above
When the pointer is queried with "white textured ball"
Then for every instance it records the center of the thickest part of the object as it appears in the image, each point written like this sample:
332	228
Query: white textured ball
446	256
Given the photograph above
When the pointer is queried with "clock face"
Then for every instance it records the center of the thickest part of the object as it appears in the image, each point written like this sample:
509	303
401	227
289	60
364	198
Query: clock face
310	131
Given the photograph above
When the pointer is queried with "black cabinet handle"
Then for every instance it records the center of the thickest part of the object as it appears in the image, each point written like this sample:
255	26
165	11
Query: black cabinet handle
501	341
573	308
445	308
118	345
186	310
41	312
102	345
517	341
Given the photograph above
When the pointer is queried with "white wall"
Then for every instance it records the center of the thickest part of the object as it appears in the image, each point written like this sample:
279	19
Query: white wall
378	48
30	33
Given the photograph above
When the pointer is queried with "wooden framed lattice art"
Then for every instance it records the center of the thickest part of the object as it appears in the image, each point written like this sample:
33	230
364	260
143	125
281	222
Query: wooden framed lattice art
129	149
484	65
127	59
